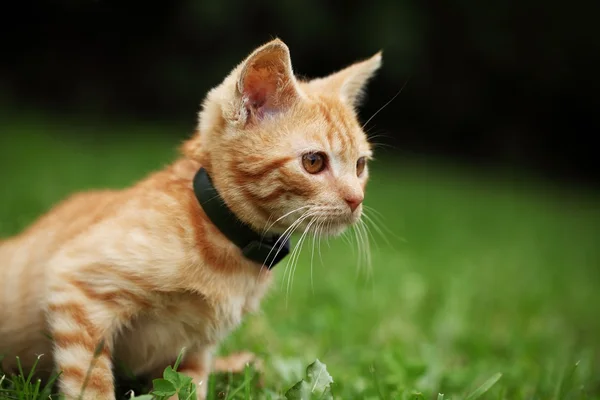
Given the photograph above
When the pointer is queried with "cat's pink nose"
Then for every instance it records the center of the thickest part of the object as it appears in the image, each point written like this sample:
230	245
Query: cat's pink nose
354	201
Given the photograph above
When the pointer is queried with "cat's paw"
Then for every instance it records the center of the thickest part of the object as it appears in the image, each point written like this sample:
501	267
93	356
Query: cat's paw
236	362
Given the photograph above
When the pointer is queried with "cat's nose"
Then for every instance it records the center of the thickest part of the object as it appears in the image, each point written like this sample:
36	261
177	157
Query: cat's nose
354	201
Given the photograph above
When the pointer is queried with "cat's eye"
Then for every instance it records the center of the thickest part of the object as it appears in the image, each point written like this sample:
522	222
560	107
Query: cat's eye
314	163
360	166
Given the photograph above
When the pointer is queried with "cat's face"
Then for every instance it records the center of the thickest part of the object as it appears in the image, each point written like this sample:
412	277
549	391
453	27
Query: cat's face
283	152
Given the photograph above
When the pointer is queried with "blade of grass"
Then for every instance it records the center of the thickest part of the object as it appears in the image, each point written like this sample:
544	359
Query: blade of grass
565	383
179	358
477	393
247	377
245	383
377	384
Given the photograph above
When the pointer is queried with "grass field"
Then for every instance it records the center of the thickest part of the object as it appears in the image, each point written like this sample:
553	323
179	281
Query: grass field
481	276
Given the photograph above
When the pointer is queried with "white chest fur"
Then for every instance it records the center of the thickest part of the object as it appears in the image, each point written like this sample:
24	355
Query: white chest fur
154	339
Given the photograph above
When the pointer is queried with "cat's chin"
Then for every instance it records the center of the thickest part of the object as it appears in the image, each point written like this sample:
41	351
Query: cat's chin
334	228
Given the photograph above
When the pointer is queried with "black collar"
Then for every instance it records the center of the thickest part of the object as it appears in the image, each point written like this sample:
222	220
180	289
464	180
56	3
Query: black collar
267	251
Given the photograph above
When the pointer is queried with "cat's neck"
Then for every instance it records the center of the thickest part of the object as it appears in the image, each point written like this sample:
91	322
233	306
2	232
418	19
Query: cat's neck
261	248
184	169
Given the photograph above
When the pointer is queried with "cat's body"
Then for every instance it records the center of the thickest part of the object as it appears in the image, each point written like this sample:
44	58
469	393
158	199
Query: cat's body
144	272
105	239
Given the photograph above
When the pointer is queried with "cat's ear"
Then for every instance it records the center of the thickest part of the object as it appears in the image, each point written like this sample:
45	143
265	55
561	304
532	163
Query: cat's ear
266	81
350	82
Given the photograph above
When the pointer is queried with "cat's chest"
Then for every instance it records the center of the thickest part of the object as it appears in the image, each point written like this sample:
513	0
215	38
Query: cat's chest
154	338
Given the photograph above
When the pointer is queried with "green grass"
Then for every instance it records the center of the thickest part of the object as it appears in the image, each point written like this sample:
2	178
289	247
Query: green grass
484	276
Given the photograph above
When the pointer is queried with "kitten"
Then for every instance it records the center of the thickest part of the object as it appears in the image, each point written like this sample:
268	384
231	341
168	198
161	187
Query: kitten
135	275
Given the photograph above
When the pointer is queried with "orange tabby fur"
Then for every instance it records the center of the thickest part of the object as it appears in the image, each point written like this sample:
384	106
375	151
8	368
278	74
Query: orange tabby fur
143	271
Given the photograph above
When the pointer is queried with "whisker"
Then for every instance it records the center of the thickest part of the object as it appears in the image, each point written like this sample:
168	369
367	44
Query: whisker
378	135
367	245
312	257
296	224
385	105
315	229
364	243
370	221
289	264
362	256
358	250
379	145
347	240
284	237
286	270
312	254
293	262
369	233
371	138
379	217
375	226
282	217
320	232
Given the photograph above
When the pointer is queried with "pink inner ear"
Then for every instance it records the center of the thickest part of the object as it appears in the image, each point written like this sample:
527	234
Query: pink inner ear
260	88
257	96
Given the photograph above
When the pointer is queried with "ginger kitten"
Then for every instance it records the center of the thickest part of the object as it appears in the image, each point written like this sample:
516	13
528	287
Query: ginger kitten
137	274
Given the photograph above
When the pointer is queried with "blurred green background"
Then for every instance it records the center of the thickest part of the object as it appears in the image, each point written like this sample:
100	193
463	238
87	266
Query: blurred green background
490	83
484	185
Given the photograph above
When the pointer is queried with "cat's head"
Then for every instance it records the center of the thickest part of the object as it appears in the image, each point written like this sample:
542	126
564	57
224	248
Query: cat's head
279	148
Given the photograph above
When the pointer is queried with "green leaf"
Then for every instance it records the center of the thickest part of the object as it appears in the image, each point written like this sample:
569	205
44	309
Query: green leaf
184	380
300	391
188	391
318	377
485	387
316	384
326	394
143	397
172	376
163	387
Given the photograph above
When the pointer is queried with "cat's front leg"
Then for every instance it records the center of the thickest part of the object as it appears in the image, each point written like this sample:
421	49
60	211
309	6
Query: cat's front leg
81	325
236	362
197	365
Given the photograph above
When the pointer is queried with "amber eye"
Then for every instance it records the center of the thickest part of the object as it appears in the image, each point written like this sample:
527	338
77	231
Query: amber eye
360	166
313	162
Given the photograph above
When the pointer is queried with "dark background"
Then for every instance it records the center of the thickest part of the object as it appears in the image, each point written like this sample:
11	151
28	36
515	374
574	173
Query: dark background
501	83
